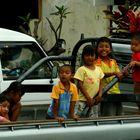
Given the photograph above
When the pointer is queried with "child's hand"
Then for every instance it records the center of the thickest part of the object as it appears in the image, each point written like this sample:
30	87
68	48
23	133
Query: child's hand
89	102
125	72
119	75
132	63
75	117
60	119
97	99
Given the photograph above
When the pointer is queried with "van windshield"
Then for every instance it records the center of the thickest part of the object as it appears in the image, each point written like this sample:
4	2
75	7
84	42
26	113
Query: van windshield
18	57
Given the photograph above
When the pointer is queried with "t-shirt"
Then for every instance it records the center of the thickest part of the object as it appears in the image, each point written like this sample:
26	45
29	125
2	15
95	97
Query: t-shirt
136	70
65	97
112	67
91	80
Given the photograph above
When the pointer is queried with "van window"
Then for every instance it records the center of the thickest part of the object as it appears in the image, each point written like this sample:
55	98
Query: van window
16	58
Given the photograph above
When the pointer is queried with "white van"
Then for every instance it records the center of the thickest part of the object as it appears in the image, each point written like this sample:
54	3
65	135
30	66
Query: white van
19	52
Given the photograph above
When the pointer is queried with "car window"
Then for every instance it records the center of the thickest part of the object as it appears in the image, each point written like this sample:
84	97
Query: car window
121	48
16	58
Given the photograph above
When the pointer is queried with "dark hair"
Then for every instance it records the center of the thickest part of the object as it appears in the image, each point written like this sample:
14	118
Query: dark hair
136	36
66	65
3	98
16	87
88	49
104	39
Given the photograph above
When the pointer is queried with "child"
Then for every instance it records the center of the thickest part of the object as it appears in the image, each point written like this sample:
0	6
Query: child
64	95
89	78
135	64
110	69
14	93
4	108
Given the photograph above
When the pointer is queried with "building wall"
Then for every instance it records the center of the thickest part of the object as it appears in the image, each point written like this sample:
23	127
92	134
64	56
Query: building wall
85	18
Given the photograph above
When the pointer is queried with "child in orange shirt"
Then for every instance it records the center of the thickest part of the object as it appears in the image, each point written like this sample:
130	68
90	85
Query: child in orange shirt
64	96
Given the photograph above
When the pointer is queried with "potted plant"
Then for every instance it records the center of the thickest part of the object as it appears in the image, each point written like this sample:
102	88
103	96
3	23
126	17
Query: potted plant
61	13
126	19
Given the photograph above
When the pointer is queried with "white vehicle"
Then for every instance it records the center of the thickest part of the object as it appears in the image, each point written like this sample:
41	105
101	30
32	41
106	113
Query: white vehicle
19	52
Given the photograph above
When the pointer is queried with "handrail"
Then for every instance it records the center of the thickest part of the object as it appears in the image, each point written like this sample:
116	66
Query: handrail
51	123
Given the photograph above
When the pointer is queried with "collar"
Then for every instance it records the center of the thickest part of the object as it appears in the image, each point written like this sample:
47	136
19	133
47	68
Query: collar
99	62
62	86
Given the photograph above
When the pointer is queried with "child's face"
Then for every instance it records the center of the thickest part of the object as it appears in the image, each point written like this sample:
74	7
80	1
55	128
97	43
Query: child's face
135	45
4	108
65	74
104	49
89	59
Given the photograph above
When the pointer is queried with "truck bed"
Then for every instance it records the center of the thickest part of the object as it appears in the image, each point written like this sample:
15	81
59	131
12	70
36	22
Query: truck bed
110	128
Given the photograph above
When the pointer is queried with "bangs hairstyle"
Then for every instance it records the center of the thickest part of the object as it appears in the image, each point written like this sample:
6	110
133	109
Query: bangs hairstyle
88	49
136	36
104	39
3	98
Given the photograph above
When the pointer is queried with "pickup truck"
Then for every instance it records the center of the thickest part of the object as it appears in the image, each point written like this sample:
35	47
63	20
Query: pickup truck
19	52
38	128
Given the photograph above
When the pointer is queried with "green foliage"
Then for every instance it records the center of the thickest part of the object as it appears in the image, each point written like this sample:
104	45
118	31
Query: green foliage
62	13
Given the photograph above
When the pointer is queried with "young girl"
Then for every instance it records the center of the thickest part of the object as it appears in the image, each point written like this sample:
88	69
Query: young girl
110	69
4	108
135	64
89	77
64	95
14	93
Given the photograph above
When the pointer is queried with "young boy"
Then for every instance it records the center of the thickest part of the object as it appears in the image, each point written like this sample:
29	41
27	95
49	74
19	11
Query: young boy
135	64
64	96
14	93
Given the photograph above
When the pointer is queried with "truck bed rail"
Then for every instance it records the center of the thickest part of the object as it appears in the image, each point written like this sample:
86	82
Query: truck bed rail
120	128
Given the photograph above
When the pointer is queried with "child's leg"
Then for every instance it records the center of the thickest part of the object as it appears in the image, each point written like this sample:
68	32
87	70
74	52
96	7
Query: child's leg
93	113
80	109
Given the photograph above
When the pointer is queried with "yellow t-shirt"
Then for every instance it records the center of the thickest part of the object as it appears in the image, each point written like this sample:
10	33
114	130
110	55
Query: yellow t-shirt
91	80
59	89
112	67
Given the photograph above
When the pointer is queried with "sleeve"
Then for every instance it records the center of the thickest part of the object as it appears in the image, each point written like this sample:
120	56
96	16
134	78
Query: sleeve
55	92
101	73
79	75
75	96
136	57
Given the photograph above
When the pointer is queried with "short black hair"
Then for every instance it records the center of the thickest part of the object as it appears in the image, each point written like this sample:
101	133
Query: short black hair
3	98
104	39
88	49
66	65
16	87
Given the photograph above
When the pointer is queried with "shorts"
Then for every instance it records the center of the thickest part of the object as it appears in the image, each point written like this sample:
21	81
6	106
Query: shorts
83	111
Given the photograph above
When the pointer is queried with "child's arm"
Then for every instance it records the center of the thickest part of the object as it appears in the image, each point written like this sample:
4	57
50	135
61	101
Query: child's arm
72	107
99	96
15	112
134	63
55	111
84	92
